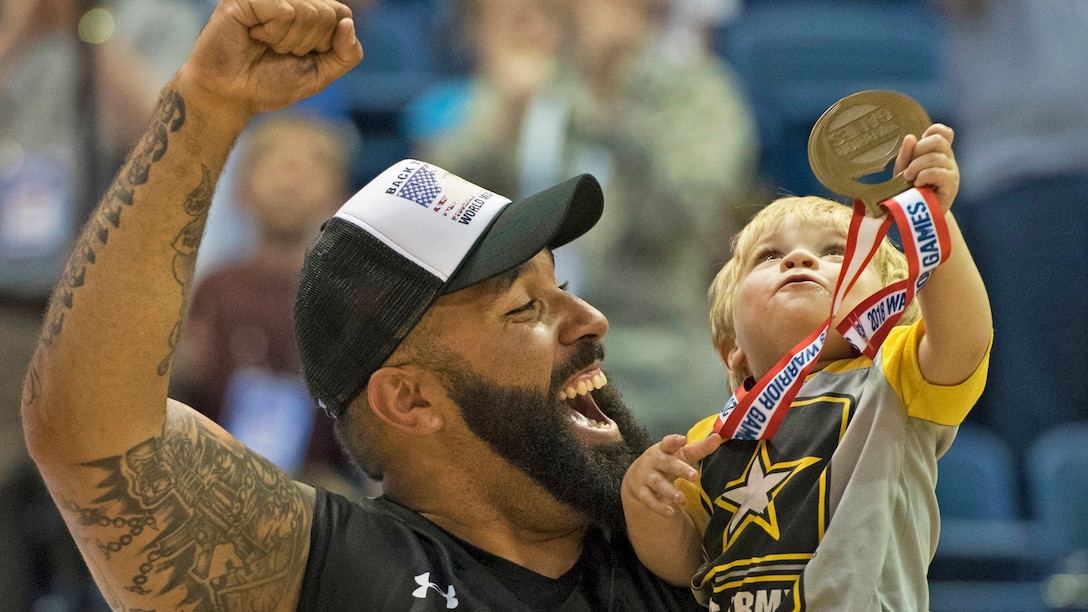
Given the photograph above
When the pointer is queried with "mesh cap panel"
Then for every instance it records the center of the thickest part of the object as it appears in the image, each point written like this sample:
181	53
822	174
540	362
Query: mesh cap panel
357	300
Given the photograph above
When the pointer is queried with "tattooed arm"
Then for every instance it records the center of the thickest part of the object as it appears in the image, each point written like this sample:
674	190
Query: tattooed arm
169	511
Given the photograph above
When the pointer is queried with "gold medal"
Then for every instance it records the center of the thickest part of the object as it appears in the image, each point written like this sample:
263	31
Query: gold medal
858	136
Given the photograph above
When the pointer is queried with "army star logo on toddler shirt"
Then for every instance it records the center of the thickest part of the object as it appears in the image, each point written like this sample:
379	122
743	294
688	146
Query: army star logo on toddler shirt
751	497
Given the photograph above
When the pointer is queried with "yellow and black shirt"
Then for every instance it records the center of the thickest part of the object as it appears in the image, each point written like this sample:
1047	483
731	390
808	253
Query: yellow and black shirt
838	510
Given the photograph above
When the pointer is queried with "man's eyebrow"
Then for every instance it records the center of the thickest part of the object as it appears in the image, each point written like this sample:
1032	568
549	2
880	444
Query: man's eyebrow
501	283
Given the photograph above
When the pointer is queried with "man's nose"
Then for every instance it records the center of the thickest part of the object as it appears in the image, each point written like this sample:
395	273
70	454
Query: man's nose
582	322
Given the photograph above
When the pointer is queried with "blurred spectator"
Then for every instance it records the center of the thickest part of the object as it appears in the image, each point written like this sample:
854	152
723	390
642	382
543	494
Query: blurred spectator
1020	109
238	362
565	87
476	129
75	88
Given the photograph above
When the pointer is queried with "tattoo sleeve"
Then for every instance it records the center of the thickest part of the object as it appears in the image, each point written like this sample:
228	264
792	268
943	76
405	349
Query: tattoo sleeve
210	523
178	514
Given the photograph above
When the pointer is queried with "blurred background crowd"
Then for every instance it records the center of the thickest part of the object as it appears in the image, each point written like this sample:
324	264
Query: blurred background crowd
692	113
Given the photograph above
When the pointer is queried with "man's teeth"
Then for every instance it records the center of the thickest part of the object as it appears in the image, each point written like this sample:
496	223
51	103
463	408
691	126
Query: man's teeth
588	422
583	387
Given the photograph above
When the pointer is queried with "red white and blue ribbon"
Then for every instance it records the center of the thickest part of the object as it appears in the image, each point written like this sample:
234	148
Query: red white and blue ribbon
755	413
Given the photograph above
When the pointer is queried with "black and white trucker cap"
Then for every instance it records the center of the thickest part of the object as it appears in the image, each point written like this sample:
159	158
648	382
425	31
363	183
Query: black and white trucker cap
412	234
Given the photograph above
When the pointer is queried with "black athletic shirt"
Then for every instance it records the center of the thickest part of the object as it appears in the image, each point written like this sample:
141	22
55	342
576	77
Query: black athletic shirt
377	555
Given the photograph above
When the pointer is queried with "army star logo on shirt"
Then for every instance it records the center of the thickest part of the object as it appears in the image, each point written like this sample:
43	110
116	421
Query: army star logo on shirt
751	497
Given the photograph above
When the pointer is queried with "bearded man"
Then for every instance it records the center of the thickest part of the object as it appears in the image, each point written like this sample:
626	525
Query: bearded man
430	325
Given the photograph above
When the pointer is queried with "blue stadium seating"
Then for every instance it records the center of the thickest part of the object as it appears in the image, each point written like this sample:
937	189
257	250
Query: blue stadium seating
988	558
1057	468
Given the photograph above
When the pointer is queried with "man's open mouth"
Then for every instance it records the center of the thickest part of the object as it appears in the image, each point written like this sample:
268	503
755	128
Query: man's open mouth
577	394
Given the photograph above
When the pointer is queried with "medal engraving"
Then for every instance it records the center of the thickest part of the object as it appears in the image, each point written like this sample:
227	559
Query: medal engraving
858	136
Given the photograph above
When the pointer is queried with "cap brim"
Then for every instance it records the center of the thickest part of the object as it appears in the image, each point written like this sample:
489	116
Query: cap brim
549	219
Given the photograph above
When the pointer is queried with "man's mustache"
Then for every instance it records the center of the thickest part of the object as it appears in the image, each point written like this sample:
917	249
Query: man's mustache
587	353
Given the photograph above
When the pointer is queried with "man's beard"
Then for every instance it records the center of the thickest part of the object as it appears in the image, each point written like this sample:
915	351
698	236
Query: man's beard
533	431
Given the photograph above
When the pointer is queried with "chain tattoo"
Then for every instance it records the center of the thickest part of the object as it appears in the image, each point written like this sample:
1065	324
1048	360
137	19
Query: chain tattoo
210	518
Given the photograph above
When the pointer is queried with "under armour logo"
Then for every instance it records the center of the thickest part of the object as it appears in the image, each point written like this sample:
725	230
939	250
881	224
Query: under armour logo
424	582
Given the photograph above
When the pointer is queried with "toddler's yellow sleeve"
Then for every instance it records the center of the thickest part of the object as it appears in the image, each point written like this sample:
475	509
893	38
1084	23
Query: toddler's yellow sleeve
944	405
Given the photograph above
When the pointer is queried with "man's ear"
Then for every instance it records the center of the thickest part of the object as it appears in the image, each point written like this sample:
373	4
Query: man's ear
398	397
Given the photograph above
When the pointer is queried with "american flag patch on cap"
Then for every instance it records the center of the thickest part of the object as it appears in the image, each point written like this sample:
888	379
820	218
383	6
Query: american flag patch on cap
422	188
